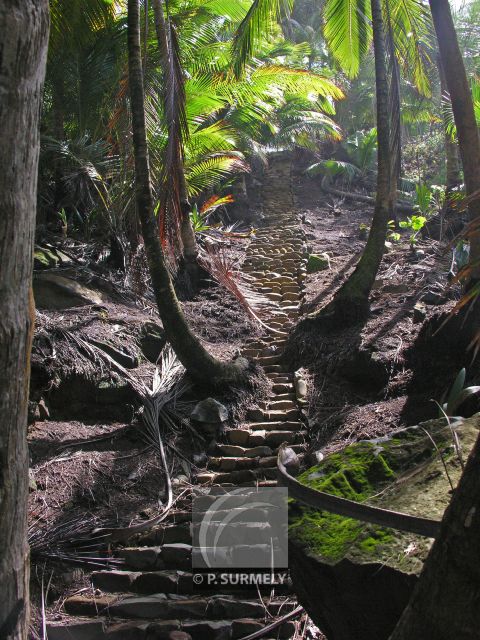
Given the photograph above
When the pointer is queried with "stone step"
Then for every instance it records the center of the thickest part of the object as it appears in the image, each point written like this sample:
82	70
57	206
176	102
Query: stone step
243	478
176	555
237	451
283	396
166	534
260	415
263	437
282	387
288	425
161	607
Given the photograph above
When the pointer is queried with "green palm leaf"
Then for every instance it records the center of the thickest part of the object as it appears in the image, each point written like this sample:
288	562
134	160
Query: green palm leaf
348	32
258	24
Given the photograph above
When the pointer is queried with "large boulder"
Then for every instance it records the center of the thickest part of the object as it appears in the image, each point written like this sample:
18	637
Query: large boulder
53	291
354	578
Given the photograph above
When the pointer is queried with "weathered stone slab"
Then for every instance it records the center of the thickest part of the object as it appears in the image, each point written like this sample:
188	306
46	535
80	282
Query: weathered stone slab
364	574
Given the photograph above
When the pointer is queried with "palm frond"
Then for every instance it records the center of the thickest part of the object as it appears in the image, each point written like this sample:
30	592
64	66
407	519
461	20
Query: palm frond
172	179
259	22
348	32
413	37
224	270
209	172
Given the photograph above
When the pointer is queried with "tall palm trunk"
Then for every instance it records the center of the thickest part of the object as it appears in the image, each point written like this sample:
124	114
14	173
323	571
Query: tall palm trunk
189	243
453	177
464	115
198	362
445	602
23	47
351	301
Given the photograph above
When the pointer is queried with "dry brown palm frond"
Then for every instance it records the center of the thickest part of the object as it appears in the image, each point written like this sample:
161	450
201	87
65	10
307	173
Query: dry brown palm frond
223	269
172	187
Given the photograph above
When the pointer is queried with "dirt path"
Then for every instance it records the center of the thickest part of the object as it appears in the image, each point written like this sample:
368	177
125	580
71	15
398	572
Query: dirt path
153	593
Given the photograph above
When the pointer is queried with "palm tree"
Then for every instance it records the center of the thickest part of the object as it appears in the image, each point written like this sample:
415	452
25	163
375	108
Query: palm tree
465	122
350	303
348	34
199	363
23	43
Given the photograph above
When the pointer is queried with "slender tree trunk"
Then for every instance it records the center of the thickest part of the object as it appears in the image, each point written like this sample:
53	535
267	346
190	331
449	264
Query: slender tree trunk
23	47
351	301
453	177
464	115
445	604
198	362
58	99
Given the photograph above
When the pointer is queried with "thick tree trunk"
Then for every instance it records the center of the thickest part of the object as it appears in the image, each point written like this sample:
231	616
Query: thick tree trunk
23	45
464	115
446	601
453	177
198	362
351	302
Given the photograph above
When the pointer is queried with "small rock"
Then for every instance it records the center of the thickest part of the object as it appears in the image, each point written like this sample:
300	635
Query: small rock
32	484
433	298
209	415
396	288
152	340
300	385
33	412
209	410
289	459
318	262
419	313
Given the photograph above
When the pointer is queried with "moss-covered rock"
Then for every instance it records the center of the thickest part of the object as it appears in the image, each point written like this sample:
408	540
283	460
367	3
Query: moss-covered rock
364	574
318	262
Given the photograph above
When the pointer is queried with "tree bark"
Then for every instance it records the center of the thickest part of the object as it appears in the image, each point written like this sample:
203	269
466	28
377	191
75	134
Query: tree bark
351	303
198	362
23	48
446	601
453	177
464	115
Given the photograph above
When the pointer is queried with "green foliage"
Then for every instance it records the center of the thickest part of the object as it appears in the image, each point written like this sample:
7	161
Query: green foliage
348	32
392	235
447	112
458	394
362	149
415	224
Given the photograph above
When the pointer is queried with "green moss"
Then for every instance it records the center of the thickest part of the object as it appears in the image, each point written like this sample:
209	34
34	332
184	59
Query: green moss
358	472
43	258
369	545
318	262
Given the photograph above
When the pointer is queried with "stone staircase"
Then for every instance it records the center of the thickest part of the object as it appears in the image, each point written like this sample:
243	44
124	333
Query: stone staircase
153	596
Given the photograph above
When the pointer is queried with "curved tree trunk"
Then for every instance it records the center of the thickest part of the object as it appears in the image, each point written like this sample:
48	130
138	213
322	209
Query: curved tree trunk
23	48
446	601
351	301
464	115
198	362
